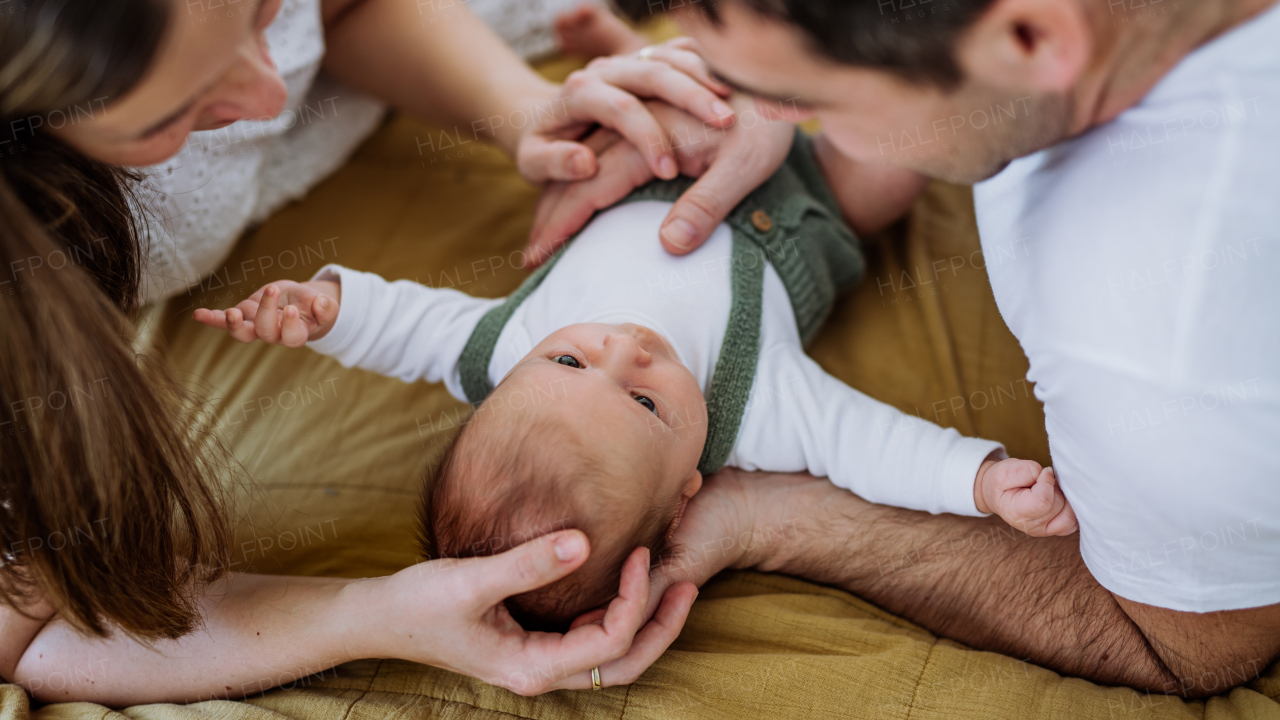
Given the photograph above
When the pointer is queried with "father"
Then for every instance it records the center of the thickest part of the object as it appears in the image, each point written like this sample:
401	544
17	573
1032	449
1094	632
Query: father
1125	153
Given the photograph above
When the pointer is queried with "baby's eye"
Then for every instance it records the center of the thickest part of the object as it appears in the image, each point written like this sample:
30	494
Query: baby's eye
647	403
569	360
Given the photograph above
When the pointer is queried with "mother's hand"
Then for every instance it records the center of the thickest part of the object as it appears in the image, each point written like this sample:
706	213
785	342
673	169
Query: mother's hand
607	92
450	613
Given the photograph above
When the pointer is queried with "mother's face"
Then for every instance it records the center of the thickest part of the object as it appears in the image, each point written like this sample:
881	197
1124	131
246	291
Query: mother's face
211	70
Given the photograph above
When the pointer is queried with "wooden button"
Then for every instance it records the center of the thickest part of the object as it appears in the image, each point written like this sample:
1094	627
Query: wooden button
762	221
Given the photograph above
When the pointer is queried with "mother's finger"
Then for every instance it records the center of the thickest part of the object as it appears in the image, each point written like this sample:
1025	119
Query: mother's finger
690	63
665	81
591	645
649	644
541	158
598	101
526	567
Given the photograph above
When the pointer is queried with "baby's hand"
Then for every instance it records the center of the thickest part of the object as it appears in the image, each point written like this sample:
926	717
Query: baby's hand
310	310
1025	496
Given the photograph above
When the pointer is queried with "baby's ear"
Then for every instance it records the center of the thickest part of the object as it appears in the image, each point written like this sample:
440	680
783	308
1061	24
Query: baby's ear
692	486
675	521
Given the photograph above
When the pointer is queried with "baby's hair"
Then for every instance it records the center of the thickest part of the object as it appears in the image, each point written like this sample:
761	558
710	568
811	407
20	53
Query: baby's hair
507	478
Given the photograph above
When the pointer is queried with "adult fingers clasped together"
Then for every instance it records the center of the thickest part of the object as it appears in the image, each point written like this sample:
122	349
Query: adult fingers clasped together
728	162
678	135
607	92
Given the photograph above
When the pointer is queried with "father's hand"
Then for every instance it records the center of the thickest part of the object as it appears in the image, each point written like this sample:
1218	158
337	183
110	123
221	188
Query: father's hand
738	520
729	164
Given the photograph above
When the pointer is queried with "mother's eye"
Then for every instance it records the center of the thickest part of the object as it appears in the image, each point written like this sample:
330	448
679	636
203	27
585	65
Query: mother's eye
647	403
569	360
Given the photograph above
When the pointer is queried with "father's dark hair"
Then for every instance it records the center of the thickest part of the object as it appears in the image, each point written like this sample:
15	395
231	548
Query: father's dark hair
913	39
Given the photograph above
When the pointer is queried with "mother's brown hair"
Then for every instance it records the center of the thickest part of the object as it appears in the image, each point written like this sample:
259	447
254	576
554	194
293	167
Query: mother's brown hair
109	509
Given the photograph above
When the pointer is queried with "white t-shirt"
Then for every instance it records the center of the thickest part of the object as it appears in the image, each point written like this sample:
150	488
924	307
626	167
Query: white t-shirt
797	418
1139	266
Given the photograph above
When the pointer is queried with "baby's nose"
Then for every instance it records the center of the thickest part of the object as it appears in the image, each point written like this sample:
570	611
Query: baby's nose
624	347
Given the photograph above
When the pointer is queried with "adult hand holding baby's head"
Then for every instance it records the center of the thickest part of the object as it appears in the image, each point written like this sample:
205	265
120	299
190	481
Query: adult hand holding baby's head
450	613
282	313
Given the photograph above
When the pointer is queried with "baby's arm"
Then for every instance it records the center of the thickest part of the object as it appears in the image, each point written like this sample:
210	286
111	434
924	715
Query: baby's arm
801	418
401	329
282	313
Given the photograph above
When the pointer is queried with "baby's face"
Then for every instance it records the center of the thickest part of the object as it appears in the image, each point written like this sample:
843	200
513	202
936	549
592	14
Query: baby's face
623	388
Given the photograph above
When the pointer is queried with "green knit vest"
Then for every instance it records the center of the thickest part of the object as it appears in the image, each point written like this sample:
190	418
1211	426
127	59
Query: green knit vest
791	222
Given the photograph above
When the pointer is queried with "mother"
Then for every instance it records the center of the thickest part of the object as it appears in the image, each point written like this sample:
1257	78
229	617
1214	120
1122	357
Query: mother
112	512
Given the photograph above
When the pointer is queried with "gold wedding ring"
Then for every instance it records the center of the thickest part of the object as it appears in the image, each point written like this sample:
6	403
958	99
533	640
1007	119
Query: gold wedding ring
595	678
646	52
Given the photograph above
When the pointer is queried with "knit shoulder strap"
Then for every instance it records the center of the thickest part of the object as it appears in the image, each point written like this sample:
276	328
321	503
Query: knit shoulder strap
735	369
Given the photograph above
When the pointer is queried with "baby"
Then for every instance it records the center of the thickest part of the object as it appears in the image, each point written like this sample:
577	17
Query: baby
618	375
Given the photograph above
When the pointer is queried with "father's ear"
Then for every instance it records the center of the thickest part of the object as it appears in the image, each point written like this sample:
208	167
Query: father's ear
1040	46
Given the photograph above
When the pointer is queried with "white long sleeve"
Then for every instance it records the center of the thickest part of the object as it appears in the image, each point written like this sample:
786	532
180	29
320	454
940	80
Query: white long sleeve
799	419
402	329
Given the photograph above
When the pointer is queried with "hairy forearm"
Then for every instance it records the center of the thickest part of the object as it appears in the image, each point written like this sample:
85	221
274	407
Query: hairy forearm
974	580
259	631
440	63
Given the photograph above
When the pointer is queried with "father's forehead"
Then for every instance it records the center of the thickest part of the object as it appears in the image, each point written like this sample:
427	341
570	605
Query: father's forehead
756	54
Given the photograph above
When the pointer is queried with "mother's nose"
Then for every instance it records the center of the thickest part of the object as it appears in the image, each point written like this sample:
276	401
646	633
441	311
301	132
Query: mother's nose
251	89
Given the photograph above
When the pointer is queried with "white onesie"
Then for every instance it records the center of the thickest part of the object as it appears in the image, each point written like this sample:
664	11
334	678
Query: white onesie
798	418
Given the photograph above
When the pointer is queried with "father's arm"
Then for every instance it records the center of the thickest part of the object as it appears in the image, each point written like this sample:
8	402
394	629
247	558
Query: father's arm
974	580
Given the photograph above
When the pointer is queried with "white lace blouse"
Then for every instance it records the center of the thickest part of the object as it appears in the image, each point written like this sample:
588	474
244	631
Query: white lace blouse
200	201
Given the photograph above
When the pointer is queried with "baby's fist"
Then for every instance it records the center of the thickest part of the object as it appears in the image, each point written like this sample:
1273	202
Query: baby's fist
1025	496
